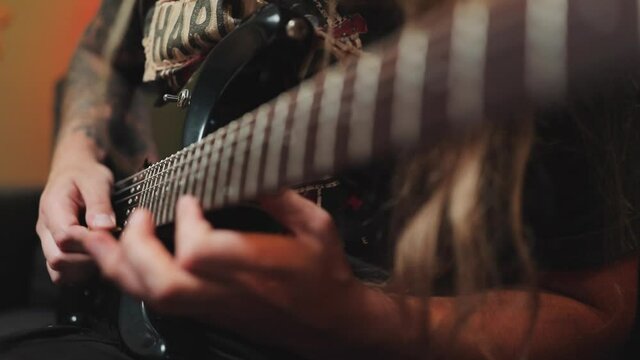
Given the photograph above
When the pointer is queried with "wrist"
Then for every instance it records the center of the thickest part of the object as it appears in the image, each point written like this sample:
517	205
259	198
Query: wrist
74	146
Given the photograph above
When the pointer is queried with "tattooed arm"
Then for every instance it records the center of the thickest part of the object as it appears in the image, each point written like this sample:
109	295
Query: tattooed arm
95	115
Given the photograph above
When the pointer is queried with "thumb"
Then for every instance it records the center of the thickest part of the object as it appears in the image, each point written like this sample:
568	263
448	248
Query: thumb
96	196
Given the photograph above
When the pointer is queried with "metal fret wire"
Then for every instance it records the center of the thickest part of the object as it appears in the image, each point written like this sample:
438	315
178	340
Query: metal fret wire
227	153
171	187
388	56
217	141
215	137
215	155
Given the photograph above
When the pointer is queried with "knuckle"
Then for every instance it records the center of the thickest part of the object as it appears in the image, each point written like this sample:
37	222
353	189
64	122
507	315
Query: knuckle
187	259
321	223
62	239
57	262
184	257
40	228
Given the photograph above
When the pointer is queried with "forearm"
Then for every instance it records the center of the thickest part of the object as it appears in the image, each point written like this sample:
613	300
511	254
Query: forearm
95	96
99	88
579	315
505	326
499	328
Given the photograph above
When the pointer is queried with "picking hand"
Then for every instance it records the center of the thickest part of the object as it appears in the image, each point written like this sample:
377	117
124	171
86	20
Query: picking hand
77	183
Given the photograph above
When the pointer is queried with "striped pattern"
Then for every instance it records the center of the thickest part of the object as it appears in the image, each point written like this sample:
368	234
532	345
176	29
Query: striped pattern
271	146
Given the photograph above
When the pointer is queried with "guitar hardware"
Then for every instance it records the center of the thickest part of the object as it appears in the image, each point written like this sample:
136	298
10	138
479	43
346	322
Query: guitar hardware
182	100
297	29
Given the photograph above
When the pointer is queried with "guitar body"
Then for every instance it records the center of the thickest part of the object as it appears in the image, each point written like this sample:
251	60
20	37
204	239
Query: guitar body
262	58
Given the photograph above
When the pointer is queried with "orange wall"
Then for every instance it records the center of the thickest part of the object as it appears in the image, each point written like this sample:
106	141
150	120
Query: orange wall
37	46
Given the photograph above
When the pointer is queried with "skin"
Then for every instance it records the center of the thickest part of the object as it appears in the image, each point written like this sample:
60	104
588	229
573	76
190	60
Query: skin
296	291
96	110
298	285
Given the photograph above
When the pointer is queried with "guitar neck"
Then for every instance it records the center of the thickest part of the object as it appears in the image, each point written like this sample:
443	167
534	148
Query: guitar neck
461	65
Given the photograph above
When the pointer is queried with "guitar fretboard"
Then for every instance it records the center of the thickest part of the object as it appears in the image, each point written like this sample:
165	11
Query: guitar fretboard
465	64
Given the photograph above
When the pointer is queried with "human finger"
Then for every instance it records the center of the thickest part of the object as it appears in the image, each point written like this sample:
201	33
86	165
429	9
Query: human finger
110	258
190	224
166	285
299	215
59	211
95	192
64	267
204	250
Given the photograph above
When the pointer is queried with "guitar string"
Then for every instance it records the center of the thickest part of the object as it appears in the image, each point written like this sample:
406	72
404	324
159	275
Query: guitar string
344	120
348	74
218	150
213	144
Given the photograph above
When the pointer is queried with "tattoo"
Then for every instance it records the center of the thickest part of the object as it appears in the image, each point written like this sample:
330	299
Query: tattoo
90	132
97	96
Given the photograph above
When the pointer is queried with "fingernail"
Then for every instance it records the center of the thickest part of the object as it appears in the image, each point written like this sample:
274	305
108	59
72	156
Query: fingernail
104	220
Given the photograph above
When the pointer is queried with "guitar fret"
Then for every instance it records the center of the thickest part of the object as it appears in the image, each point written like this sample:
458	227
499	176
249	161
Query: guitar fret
223	174
217	139
407	103
190	166
193	169
468	61
239	158
546	48
328	121
361	122
165	191
153	192
167	182
299	132
175	192
199	192
275	143
184	179
145	184
255	151
158	191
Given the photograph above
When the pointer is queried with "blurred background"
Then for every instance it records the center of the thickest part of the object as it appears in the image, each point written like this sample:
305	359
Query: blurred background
37	39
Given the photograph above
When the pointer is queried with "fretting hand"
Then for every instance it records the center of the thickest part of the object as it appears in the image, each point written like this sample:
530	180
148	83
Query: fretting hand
248	282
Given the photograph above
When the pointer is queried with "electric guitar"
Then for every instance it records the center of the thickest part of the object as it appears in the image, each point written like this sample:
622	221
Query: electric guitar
454	69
